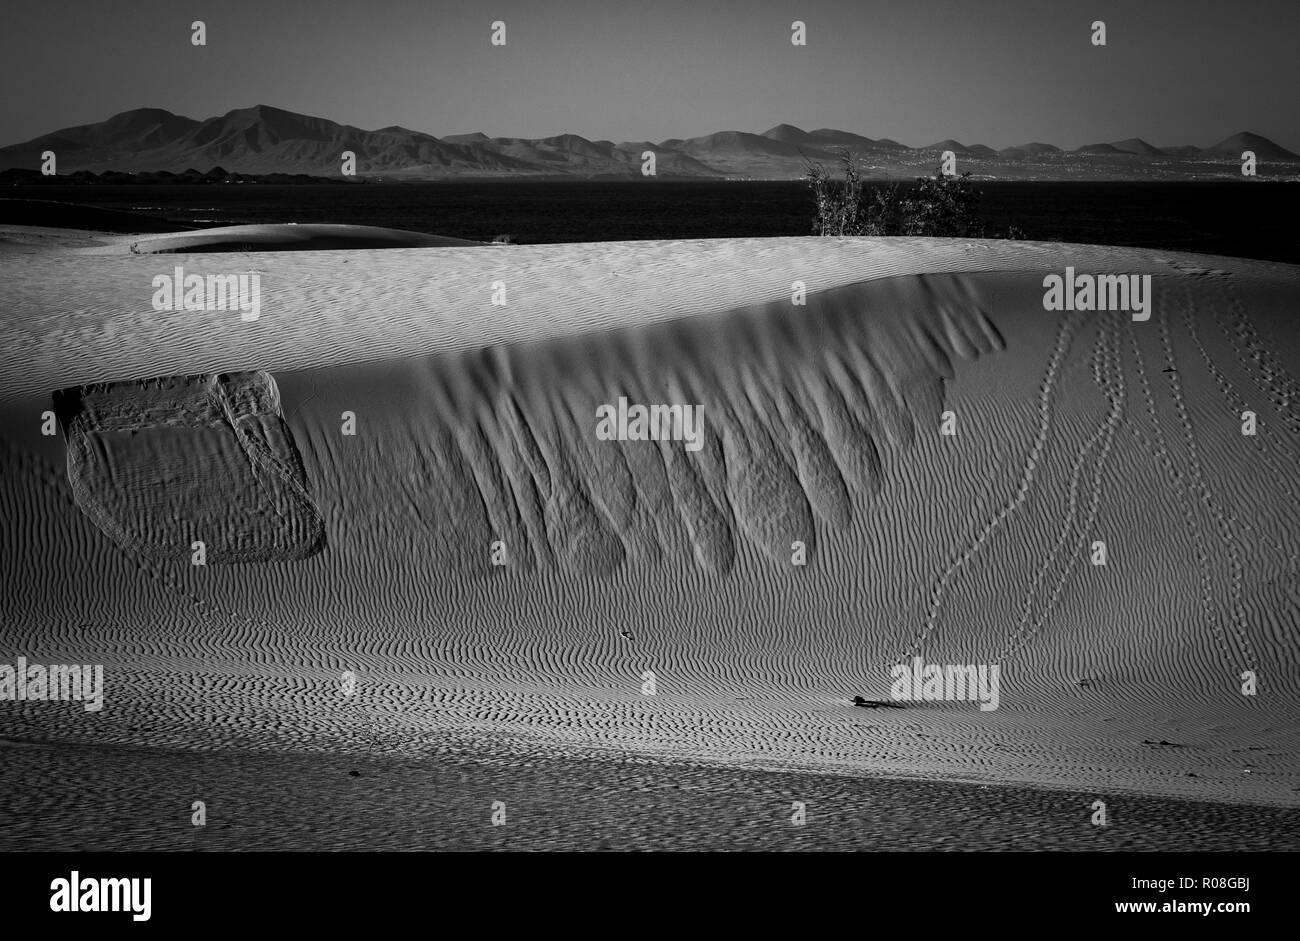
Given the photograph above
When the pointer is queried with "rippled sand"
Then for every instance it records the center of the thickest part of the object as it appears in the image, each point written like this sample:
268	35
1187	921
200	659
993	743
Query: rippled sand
475	432
73	797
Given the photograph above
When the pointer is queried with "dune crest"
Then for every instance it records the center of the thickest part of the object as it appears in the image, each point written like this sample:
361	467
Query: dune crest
289	237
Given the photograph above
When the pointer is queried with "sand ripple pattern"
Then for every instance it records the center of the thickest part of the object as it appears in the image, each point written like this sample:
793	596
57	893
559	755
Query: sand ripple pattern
626	558
793	426
326	308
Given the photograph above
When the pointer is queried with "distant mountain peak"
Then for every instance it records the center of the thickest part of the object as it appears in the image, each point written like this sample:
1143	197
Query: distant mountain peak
264	139
1136	145
950	144
141	113
786	132
1258	144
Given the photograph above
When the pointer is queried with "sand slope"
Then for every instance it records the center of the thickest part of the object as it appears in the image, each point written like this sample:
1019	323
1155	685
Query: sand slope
475	424
289	237
321	309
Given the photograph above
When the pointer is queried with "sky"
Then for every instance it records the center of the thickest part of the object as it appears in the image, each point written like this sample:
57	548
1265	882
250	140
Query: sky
997	72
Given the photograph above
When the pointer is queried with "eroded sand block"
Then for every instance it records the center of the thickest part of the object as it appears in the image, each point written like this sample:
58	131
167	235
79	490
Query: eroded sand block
162	464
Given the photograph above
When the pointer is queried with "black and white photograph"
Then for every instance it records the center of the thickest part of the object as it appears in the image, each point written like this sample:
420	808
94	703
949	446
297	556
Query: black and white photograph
572	427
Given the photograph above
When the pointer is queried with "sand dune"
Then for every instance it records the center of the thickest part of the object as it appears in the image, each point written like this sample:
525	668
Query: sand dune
86	314
289	237
475	431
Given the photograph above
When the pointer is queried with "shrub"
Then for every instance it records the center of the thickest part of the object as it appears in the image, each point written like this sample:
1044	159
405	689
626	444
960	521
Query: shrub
936	205
839	202
943	206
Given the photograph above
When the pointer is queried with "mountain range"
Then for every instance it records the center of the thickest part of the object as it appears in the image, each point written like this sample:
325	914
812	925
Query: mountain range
264	140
